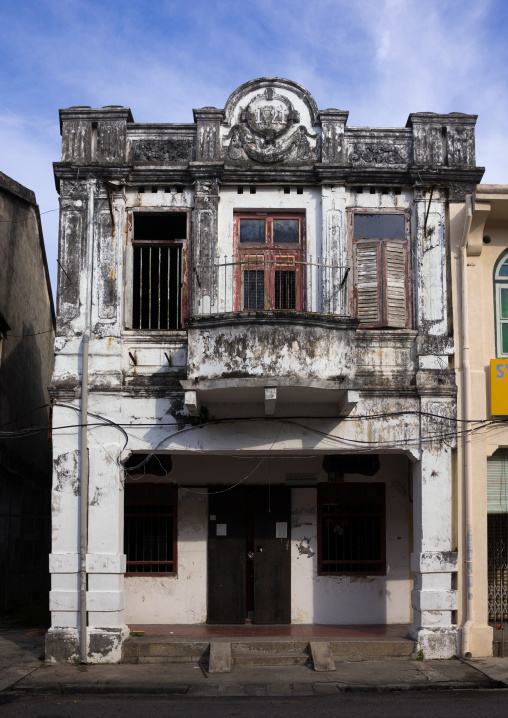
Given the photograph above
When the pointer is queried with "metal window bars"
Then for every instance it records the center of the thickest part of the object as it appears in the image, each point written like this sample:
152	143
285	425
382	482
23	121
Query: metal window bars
156	295
497	538
270	280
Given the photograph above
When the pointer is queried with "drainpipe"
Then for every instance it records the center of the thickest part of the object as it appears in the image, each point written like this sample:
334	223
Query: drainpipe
83	463
466	441
83	512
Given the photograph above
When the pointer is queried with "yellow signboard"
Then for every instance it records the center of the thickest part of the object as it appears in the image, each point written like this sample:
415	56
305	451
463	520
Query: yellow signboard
499	387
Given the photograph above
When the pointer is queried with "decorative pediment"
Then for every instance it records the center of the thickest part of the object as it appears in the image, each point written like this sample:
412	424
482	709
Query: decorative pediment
270	121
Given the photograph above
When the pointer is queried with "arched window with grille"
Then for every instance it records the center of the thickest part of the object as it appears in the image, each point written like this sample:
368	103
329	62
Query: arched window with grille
501	304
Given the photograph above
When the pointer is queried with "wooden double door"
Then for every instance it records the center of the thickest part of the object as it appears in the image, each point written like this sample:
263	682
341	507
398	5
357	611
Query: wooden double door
249	555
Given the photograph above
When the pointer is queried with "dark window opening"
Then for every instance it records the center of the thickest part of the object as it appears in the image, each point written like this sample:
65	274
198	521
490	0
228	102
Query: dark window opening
150	528
167	190
141	190
154	190
397	190
299	190
160	226
179	189
380	226
287	190
253	190
239	190
359	190
157	270
373	190
351	529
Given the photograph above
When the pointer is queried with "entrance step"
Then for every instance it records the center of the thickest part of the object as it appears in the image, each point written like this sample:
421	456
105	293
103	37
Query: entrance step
265	651
369	649
154	649
277	652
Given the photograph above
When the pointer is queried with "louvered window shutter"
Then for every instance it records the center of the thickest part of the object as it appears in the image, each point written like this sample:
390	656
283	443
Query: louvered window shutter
367	282
395	284
497	482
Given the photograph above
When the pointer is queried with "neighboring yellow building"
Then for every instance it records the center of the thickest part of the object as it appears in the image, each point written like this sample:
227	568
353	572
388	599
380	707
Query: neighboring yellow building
479	258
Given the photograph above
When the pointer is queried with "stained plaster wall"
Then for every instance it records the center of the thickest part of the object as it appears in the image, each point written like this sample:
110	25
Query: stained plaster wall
180	598
354	599
314	599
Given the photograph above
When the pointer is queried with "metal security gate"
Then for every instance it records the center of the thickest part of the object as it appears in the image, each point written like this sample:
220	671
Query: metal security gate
498	566
497	530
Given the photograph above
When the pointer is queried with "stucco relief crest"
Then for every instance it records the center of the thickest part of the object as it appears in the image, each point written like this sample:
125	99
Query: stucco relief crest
377	153
169	151
260	134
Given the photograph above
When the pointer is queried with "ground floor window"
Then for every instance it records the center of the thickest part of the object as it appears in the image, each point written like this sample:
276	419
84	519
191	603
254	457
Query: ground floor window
150	529
497	525
351	529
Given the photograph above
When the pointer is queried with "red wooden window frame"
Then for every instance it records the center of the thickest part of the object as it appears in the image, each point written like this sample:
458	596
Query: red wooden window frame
269	258
151	495
344	492
379	245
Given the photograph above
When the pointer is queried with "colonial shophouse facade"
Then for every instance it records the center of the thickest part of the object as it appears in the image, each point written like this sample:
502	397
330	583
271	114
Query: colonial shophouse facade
254	321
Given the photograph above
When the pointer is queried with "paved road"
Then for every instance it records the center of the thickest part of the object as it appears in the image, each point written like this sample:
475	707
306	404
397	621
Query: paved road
420	704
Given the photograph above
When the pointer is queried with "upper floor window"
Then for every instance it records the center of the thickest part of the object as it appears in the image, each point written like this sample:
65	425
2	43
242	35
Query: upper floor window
159	241
501	304
269	260
381	295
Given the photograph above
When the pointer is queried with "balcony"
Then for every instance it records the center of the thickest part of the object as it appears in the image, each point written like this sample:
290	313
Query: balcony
270	336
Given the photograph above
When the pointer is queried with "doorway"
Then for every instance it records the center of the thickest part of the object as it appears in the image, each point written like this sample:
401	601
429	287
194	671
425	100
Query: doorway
249	555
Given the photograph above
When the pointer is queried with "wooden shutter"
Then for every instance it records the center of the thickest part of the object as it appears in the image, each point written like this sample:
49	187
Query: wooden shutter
395	284
367	282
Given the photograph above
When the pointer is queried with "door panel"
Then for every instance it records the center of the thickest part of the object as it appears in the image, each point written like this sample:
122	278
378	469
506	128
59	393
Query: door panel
226	557
272	555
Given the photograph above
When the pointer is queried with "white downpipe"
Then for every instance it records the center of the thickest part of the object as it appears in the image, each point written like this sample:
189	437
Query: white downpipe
83	463
466	441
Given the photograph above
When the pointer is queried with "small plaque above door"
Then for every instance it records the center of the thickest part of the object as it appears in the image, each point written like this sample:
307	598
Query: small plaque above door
281	529
222	530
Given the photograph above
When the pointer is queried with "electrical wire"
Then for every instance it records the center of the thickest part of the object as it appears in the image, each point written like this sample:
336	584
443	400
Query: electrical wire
32	216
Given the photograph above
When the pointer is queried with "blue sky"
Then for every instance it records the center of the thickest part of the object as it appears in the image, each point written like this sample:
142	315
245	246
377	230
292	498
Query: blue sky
379	59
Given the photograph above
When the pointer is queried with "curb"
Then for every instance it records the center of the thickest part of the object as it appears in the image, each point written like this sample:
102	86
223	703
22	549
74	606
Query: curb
287	690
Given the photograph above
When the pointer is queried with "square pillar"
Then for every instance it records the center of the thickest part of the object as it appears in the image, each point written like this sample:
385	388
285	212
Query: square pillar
433	562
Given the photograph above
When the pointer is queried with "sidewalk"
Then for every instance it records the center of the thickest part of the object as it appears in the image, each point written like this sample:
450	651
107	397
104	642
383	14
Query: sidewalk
21	670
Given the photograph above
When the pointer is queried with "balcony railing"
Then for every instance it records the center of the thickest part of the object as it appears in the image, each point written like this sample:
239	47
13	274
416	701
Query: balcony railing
271	281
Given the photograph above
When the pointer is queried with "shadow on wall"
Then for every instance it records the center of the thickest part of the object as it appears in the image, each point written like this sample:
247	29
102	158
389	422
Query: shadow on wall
25	479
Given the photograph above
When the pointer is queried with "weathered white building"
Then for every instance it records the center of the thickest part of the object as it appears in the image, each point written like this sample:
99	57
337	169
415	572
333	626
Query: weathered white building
254	325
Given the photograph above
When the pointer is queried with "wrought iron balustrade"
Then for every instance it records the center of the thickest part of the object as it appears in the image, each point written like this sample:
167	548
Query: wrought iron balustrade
275	281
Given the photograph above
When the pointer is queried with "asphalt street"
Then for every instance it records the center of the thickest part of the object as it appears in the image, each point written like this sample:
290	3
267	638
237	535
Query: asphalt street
422	704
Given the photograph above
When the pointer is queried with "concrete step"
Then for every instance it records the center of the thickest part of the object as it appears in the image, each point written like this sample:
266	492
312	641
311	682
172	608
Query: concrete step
270	645
263	652
270	659
372	648
163	650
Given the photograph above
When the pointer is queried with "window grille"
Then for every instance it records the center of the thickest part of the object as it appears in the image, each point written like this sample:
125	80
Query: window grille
150	529
157	258
351	529
497	539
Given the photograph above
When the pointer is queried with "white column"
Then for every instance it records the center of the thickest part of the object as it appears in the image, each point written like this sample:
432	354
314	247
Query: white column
62	639
434	559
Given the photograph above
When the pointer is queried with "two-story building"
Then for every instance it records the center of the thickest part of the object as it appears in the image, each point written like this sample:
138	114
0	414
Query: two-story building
255	369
